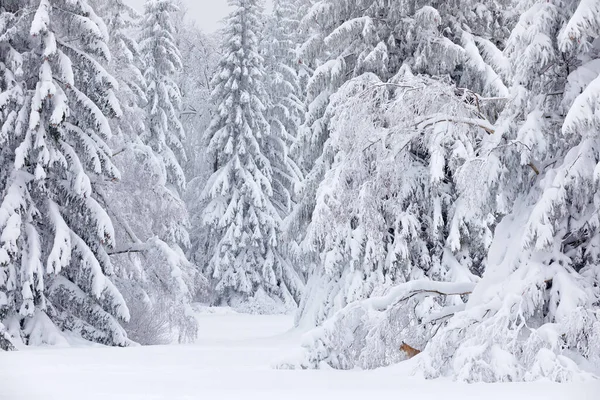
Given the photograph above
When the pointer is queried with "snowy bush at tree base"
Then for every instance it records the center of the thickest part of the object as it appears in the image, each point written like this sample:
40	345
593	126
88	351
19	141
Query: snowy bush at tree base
263	304
369	333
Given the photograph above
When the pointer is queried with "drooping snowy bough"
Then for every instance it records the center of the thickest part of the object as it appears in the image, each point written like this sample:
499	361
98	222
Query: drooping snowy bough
370	333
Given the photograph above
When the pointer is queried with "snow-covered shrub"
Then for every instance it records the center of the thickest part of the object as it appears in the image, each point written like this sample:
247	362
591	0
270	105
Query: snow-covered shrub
149	324
370	333
263	304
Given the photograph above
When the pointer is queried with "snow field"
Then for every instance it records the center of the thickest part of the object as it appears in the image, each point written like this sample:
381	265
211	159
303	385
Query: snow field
233	359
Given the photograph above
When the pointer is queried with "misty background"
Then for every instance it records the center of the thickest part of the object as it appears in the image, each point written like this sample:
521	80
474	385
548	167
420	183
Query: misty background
208	14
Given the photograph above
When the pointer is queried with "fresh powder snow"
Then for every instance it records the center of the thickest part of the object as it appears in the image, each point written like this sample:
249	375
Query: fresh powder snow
231	359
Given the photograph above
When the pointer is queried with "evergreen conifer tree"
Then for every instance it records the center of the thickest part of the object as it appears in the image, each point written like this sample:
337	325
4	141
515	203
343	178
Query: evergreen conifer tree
156	279
244	223
56	102
162	59
536	307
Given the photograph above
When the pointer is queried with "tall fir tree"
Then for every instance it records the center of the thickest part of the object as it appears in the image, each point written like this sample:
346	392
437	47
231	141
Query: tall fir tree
162	59
243	222
392	40
56	102
156	279
285	108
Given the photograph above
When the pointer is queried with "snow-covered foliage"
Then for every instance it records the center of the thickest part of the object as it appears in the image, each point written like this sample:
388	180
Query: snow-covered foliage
387	210
244	223
535	313
55	236
369	333
164	131
379	40
514	198
153	273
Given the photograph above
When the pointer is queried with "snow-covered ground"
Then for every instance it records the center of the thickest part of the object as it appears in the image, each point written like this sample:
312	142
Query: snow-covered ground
231	360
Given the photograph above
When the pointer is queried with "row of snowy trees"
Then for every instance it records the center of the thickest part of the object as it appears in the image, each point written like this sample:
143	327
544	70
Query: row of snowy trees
92	224
454	143
408	171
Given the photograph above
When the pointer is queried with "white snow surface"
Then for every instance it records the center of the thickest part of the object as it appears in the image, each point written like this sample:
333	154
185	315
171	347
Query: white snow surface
232	359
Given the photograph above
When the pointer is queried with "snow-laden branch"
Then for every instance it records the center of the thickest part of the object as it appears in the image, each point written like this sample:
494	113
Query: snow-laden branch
481	123
371	333
407	290
132	248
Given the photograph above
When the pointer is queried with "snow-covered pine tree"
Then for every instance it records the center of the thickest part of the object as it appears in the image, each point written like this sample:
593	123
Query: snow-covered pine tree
243	222
200	55
536	312
126	65
164	132
284	105
348	39
153	274
56	101
299	35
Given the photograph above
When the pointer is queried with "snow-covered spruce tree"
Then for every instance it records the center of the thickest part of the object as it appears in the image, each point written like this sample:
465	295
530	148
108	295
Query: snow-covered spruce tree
154	276
350	38
164	132
298	35
243	222
56	101
284	107
536	312
200	55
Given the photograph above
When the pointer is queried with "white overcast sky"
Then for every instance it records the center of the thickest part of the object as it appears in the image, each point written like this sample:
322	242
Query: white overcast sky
207	13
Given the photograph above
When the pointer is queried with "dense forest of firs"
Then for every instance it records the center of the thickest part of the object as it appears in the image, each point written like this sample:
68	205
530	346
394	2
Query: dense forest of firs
400	174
